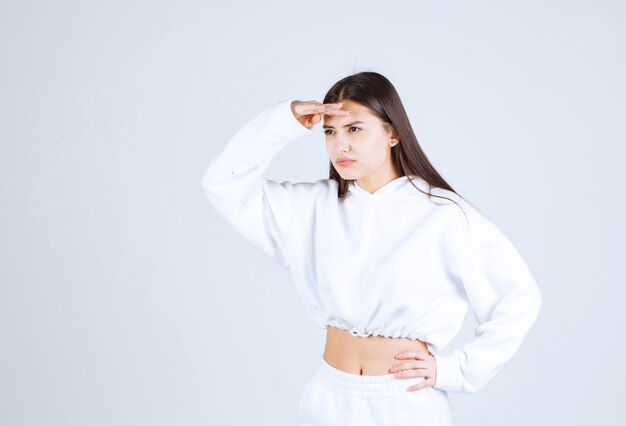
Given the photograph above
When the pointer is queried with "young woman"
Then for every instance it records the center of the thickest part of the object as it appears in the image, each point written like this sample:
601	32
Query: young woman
385	256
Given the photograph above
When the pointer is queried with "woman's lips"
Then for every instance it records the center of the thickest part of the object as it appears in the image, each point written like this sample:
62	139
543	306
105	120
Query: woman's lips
345	162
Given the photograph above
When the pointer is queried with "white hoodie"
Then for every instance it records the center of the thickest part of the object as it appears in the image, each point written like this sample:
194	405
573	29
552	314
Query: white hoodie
390	263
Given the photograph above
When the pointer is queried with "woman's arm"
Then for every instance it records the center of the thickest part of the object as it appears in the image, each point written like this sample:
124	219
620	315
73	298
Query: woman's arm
257	208
505	301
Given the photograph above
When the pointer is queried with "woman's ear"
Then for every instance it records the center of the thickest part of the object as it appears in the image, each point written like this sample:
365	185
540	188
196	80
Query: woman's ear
394	134
395	138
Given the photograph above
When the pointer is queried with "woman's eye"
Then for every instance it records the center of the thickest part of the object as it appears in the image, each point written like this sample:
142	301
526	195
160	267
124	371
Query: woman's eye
326	132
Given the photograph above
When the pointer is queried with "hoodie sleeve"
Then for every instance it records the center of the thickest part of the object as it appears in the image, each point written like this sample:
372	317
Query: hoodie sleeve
505	301
259	209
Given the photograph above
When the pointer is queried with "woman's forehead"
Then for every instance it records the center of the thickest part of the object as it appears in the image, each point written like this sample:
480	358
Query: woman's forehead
355	107
358	113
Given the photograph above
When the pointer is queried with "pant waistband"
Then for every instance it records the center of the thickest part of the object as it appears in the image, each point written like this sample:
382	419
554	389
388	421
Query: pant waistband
359	385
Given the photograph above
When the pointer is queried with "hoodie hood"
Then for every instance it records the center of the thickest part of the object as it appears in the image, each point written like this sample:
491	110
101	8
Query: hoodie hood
397	188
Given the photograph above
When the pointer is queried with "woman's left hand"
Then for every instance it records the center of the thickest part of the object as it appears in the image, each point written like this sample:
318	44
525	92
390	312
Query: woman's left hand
419	364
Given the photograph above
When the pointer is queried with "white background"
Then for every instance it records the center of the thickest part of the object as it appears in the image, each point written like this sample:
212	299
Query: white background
125	300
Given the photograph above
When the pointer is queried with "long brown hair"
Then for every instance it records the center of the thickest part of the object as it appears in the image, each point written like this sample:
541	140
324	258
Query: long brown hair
376	92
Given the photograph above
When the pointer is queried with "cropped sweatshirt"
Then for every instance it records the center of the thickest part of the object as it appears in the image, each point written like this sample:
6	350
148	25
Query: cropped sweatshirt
394	263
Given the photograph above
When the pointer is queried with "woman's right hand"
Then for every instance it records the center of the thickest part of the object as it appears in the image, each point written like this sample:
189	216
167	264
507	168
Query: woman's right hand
309	113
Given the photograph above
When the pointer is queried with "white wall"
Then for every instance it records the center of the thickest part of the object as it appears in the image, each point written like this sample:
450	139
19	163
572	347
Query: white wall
125	300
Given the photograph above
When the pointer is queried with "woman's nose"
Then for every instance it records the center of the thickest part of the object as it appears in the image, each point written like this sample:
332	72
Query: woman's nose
341	145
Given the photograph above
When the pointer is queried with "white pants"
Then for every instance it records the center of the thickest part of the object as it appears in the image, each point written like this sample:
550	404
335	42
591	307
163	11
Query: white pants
334	397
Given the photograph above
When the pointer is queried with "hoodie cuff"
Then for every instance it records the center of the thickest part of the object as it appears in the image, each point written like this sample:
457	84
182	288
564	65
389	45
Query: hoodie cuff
448	374
286	122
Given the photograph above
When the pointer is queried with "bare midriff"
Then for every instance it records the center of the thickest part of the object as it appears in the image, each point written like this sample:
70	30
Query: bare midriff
368	356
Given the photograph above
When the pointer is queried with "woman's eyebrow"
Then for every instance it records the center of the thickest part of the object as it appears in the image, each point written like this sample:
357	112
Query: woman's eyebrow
347	125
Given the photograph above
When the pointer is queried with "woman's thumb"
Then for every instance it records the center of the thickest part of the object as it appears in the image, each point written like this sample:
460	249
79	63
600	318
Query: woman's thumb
316	118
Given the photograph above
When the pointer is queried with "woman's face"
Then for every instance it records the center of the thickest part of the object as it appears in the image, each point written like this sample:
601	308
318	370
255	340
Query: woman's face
361	137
